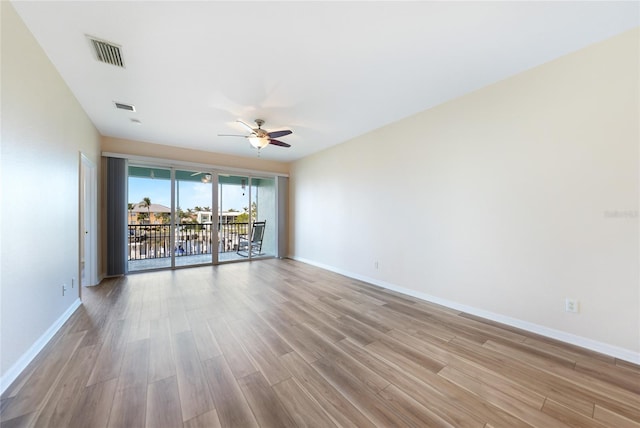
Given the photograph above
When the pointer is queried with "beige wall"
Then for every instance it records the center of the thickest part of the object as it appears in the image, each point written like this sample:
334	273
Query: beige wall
44	130
503	202
138	148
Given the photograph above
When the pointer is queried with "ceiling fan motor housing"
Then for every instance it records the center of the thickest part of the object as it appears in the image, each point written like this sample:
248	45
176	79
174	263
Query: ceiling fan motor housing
260	133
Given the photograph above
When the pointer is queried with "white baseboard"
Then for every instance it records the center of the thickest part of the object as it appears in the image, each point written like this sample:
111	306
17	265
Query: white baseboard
12	374
583	342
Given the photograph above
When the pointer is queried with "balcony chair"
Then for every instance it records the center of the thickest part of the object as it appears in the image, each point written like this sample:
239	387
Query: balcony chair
253	246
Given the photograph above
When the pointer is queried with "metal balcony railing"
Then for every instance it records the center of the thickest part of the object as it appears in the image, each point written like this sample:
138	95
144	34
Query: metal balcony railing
150	241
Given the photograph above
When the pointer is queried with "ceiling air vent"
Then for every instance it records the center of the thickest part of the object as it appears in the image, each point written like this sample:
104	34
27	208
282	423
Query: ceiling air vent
123	106
107	52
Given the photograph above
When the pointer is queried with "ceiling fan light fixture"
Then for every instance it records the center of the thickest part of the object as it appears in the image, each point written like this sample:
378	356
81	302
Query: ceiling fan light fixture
259	142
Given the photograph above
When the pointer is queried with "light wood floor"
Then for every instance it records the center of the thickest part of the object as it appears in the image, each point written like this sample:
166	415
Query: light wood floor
279	343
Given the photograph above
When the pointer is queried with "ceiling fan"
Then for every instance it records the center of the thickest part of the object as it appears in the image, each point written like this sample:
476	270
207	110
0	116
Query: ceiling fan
206	178
260	138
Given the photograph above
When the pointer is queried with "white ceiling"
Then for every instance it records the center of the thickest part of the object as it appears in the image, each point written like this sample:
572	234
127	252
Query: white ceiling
330	71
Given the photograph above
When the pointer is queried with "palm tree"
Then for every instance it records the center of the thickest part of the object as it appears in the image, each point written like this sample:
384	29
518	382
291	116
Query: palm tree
129	208
146	203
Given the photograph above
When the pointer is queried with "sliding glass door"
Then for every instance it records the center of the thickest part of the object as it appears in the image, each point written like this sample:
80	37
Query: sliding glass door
148	218
247	217
194	231
233	215
182	217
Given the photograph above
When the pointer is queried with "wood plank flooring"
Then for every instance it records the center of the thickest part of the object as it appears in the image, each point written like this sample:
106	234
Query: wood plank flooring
277	343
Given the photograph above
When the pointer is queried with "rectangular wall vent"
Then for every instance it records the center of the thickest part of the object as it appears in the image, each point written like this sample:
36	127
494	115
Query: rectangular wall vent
107	52
123	106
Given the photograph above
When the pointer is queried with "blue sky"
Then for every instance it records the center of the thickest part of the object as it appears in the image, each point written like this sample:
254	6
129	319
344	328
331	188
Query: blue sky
192	194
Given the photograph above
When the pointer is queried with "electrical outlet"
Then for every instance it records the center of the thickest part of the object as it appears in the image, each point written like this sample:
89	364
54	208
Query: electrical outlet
571	305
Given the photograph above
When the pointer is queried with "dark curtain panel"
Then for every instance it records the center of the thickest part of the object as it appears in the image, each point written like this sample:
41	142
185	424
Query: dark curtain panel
116	216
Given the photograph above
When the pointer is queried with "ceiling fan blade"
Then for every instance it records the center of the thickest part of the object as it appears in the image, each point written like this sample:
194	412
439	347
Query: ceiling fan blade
249	128
277	134
231	135
279	143
196	173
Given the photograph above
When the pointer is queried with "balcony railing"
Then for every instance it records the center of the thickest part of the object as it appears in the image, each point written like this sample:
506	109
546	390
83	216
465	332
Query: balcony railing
148	241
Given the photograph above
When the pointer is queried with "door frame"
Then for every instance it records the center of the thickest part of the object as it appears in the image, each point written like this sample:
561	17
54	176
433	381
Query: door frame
216	171
88	224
